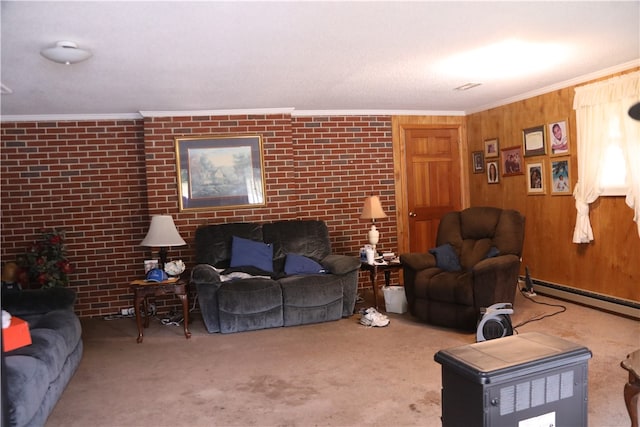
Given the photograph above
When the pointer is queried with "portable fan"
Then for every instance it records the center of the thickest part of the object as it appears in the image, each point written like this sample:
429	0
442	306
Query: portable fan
495	322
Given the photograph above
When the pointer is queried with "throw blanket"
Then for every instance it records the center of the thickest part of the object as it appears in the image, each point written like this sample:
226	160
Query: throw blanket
236	275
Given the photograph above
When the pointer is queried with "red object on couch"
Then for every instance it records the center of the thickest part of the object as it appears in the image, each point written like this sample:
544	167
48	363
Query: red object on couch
16	335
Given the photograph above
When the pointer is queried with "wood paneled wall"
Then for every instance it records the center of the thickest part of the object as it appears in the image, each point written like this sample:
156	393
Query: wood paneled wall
610	265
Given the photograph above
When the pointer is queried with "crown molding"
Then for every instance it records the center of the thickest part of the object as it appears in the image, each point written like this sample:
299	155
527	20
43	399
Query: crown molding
309	113
232	112
70	117
627	66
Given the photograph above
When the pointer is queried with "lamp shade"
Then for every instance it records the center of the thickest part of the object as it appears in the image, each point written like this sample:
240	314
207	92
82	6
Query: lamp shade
372	209
65	52
162	233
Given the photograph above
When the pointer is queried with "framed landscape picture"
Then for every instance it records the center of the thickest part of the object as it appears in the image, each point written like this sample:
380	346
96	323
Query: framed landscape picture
560	179
558	138
477	157
533	141
220	171
491	147
535	178
512	161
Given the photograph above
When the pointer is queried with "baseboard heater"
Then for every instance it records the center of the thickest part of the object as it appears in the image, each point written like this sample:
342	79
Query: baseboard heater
592	299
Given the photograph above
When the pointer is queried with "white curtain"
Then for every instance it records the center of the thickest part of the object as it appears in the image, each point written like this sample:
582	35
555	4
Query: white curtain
597	106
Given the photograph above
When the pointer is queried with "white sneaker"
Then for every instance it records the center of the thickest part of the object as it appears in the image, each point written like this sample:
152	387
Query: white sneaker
371	317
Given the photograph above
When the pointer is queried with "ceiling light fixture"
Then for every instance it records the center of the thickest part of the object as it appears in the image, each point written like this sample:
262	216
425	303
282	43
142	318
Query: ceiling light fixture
66	52
5	90
467	86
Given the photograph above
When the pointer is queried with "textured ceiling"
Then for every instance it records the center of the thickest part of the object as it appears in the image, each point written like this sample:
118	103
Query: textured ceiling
308	56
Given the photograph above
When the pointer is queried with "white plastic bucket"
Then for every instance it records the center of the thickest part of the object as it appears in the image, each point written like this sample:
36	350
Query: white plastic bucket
395	300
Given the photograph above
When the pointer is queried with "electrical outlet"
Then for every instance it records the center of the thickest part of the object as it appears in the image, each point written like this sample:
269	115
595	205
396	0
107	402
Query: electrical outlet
124	311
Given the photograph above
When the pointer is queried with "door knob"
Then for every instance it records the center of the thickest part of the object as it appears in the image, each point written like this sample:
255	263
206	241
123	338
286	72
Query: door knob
413	214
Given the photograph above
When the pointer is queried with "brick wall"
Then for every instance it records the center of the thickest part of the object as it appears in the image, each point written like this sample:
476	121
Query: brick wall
340	161
88	178
101	181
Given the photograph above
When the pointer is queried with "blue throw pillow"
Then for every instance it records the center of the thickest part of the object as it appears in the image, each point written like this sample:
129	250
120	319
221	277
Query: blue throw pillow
245	252
446	257
298	264
493	252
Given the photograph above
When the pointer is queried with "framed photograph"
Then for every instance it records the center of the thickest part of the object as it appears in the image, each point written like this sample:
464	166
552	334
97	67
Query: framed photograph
535	178
512	161
478	161
217	172
560	182
491	147
558	138
493	175
150	264
533	141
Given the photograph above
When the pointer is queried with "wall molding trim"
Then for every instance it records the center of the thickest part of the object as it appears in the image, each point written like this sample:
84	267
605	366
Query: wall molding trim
217	113
321	113
627	66
591	299
70	117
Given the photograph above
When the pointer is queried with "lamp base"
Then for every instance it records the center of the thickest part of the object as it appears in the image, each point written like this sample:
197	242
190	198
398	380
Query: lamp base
163	257
374	237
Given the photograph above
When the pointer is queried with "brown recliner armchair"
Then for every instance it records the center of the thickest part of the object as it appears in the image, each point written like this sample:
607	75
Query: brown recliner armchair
476	264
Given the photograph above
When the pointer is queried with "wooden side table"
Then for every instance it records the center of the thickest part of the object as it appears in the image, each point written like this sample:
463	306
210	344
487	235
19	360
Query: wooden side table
632	388
373	270
142	290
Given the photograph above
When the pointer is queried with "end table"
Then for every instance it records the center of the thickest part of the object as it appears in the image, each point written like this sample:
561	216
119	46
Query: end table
373	269
142	290
632	387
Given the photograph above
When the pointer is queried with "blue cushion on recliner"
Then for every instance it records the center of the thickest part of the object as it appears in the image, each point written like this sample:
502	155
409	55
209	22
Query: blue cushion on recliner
299	264
446	257
245	252
493	252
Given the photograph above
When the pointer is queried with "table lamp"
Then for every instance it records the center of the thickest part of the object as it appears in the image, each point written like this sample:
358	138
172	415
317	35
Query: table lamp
162	234
372	210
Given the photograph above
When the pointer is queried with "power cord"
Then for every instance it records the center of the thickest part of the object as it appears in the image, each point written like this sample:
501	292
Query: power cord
130	312
193	304
528	296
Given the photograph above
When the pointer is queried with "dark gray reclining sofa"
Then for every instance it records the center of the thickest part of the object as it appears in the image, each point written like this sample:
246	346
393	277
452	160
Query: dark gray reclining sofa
272	299
34	376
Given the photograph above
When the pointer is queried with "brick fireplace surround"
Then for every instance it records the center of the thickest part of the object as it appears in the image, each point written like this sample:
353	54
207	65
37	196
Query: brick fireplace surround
102	180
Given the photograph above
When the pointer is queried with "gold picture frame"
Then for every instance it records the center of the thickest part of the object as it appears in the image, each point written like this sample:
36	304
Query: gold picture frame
559	138
560	173
493	172
533	141
536	178
477	159
511	161
219	172
491	147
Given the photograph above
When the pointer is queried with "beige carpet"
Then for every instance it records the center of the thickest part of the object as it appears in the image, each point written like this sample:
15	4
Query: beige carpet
331	374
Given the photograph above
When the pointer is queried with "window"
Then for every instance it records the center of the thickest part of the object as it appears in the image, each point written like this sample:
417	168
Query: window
614	167
608	141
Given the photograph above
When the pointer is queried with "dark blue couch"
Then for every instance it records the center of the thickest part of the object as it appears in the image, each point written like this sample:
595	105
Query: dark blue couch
277	299
35	376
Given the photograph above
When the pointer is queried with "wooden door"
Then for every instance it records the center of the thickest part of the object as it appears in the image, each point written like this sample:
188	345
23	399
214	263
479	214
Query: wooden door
433	176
